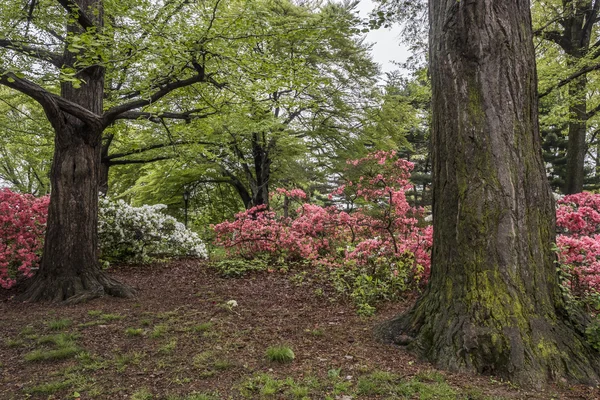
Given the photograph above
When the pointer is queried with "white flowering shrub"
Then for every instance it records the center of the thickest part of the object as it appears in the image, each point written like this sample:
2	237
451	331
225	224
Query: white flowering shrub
139	234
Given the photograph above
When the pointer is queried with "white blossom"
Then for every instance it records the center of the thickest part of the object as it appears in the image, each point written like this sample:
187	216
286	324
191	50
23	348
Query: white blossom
130	233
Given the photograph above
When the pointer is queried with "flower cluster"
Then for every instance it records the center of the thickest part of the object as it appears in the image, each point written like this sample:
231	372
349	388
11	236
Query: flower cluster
578	223
379	224
130	233
22	227
126	233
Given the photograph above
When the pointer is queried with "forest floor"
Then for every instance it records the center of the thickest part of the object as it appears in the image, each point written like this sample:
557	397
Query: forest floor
179	340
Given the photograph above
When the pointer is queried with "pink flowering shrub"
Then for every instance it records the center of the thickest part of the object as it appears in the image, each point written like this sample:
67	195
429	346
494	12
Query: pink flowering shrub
371	229
578	242
22	227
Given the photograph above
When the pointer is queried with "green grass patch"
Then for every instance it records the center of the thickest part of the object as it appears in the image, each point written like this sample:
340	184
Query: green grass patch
203	327
123	361
426	391
142	394
195	396
430	376
264	385
55	347
91	362
134	331
159	331
90	323
280	354
169	347
27	331
52	354
376	383
222	365
110	317
59	324
14	343
48	388
60	340
237	267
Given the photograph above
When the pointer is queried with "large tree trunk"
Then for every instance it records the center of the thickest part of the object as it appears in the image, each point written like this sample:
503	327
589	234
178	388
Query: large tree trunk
493	304
69	270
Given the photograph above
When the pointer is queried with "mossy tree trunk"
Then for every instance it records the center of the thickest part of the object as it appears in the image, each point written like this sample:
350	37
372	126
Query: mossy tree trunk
493	304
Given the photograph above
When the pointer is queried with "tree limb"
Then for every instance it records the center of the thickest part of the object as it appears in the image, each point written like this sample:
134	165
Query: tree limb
570	78
111	115
41	54
146	161
554	36
186	116
51	102
72	7
153	147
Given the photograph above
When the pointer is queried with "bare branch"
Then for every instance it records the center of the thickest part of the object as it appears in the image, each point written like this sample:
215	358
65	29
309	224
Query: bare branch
51	102
592	112
556	37
72	7
157	118
41	54
113	114
146	161
152	147
570	78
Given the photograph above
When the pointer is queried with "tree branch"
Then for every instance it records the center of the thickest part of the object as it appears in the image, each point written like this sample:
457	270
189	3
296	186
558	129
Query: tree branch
554	36
146	161
113	114
51	102
73	8
570	78
41	54
153	147
186	116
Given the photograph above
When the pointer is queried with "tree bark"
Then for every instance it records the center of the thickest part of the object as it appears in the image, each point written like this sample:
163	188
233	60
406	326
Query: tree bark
493	304
69	270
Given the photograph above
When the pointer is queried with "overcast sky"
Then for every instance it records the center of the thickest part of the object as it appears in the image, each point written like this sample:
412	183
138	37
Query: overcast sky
386	42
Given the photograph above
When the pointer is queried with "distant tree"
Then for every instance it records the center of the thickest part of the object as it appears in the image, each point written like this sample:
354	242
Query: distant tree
570	26
299	108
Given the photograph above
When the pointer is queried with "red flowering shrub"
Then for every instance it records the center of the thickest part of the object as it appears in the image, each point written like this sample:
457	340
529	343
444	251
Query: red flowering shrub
372	229
22	227
578	222
382	221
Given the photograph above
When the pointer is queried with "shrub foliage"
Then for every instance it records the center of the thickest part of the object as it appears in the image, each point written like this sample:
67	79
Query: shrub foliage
126	234
22	227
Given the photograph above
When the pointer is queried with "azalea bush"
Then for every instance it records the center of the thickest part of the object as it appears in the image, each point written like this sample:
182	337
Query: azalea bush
126	233
22	227
139	234
578	242
369	238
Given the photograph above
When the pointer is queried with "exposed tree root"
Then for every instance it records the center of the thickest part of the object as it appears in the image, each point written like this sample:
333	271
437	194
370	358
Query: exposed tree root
532	353
75	289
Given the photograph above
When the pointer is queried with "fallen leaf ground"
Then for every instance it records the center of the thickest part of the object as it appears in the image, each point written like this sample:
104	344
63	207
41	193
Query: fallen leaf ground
180	341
